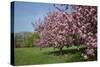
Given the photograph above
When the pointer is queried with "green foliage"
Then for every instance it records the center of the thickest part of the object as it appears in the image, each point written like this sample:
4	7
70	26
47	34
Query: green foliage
25	39
29	40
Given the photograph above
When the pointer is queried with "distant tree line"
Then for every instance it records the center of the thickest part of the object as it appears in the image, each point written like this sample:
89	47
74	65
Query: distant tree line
24	39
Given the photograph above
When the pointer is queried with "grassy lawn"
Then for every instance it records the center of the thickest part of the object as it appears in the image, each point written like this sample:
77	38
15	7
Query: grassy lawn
26	56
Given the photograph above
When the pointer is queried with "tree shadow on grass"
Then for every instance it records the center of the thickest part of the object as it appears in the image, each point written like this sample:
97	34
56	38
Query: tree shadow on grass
71	55
66	51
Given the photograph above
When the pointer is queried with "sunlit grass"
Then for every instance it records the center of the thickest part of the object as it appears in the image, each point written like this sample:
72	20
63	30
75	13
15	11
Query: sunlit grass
26	56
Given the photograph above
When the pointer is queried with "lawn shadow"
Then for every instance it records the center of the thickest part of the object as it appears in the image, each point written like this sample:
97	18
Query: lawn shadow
66	51
75	53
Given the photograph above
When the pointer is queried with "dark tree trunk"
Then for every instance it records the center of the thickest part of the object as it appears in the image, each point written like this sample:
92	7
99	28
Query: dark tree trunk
61	52
40	48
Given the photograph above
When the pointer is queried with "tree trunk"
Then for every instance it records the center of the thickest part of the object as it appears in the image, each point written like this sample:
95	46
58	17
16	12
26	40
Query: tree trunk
40	48
61	52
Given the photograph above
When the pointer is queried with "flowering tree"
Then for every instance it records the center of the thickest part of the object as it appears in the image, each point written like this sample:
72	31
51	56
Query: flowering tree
59	29
55	31
85	18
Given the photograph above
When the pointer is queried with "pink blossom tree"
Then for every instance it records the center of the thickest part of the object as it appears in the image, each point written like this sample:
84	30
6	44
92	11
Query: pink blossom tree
59	29
86	23
55	30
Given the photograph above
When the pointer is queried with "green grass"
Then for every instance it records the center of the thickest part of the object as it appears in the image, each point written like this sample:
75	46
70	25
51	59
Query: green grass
27	56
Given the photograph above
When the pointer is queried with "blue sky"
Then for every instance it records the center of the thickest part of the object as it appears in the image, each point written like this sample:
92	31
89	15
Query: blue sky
27	12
